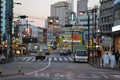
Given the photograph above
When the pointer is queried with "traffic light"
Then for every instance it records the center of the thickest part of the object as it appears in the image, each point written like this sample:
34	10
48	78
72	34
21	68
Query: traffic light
22	16
61	37
68	25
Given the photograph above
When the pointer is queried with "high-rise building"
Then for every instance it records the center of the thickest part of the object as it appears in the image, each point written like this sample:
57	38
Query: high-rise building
71	4
6	12
60	10
81	6
0	25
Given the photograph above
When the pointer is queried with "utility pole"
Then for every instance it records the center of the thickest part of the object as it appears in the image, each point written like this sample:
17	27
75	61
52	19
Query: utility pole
88	34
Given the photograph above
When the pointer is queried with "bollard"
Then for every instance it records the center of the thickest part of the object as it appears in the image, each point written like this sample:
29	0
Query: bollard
102	62
0	70
119	64
19	68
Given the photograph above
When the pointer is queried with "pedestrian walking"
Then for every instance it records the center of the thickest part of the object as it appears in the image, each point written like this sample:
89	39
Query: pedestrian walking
117	55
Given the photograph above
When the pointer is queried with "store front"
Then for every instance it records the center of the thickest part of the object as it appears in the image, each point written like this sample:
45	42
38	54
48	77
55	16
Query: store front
116	27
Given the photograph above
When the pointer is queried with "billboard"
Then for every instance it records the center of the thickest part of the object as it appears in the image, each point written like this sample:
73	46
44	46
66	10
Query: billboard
116	15
27	31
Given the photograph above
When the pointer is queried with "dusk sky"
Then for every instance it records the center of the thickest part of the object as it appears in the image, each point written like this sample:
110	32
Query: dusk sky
39	10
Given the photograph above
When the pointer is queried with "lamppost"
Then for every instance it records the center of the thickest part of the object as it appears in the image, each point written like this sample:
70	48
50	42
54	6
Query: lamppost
88	24
88	34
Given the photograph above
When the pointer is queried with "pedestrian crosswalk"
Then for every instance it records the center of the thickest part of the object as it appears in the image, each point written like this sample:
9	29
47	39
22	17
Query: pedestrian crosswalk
61	59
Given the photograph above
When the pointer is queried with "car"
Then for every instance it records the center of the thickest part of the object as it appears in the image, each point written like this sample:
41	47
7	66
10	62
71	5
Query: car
40	55
63	52
2	59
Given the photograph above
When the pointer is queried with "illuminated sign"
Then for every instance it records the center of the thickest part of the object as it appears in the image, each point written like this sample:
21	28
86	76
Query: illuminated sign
27	31
116	1
116	28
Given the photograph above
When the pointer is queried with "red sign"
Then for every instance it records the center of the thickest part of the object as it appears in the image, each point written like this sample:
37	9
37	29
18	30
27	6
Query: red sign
75	36
27	31
18	22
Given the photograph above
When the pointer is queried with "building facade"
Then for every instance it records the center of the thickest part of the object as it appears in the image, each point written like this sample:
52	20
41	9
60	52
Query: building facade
0	25
71	4
106	16
6	23
61	10
116	26
81	6
106	23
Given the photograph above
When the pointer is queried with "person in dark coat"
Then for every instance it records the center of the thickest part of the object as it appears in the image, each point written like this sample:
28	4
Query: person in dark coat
117	55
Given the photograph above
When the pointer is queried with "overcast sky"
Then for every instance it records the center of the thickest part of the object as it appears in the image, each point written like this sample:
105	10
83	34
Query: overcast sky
40	9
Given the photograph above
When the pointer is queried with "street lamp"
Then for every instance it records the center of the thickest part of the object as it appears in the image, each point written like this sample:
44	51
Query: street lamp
88	24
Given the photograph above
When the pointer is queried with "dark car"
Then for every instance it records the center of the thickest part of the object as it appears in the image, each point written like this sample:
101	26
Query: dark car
40	55
63	52
2	59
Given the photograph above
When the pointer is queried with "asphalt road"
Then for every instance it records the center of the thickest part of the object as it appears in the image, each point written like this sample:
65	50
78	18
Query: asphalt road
51	70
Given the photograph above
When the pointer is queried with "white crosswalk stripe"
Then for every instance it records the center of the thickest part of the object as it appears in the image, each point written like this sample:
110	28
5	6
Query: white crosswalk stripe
70	58
65	59
61	59
33	59
55	59
30	58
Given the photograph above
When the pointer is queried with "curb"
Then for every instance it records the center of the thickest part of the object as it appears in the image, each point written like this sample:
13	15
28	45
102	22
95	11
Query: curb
11	75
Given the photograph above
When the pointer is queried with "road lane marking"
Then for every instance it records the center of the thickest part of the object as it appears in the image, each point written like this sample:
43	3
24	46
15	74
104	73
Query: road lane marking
33	59
95	76
65	59
55	59
29	58
117	76
23	59
34	72
70	58
105	76
60	59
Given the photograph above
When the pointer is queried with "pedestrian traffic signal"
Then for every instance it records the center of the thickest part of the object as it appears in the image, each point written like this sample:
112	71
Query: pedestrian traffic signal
22	16
61	37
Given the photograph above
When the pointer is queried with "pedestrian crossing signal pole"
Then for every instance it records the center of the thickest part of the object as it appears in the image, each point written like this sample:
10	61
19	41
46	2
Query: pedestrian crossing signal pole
19	68
0	70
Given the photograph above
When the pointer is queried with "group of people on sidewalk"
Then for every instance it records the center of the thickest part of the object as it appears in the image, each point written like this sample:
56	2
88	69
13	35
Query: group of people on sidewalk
117	56
97	55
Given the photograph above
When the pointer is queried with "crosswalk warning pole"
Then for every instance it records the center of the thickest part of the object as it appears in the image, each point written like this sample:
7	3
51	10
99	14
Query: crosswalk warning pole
0	70
19	68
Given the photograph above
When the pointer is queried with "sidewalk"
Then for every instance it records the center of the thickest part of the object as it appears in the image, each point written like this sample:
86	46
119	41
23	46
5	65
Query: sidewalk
12	72
101	64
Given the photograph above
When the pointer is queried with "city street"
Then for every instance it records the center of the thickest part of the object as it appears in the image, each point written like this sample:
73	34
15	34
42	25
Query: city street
60	40
55	69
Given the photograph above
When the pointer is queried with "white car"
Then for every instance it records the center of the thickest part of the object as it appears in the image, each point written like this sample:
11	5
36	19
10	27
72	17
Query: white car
2	59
